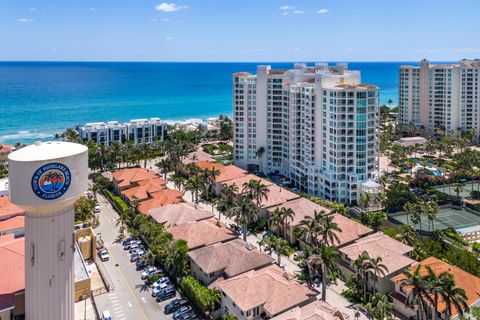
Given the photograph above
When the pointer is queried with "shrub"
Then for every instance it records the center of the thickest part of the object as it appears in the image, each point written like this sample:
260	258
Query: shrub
118	202
205	299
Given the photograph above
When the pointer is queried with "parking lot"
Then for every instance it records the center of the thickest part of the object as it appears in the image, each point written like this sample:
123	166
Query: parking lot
131	297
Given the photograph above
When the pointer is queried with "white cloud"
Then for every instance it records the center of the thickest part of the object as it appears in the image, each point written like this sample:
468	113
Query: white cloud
169	7
24	20
166	20
323	11
33	9
285	13
286	8
92	9
168	38
299	12
153	20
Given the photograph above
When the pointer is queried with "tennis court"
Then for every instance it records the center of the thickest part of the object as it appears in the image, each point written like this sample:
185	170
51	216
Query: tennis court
446	217
465	191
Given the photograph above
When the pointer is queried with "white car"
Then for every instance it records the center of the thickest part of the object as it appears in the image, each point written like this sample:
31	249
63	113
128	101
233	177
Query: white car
156	290
148	271
160	281
104	256
97	208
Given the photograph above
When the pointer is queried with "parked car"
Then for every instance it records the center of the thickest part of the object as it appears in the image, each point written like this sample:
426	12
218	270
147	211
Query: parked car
174	305
106	315
103	254
160	281
298	255
181	311
188	316
136	256
139	248
160	288
165	294
140	264
97	208
149	271
133	246
267	234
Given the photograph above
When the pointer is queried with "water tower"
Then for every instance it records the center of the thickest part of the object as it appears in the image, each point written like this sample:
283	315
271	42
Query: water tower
46	178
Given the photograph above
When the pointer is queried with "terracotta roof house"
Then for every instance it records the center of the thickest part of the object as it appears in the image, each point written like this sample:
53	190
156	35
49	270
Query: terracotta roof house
269	292
318	310
276	196
15	225
199	155
463	279
12	280
128	178
202	233
9	210
395	256
244	179
160	199
144	189
226	260
177	214
226	172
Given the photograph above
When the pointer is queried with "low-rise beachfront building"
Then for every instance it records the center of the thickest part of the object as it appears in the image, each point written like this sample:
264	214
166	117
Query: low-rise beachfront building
146	130
138	131
202	233
177	214
103	133
5	150
12	218
263	293
463	279
226	260
130	177
4	188
318	310
395	256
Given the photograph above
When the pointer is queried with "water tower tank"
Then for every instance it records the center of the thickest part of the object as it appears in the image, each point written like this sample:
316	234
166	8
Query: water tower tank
45	180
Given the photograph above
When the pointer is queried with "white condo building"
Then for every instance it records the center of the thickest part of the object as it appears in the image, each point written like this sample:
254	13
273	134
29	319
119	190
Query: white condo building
440	97
138	131
318	126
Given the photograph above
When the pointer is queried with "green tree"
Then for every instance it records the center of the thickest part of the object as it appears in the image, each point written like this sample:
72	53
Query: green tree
279	245
84	209
256	190
323	261
259	153
375	265
177	260
244	212
373	219
397	196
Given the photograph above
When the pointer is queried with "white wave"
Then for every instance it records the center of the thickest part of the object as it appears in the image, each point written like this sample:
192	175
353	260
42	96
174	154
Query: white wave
26	135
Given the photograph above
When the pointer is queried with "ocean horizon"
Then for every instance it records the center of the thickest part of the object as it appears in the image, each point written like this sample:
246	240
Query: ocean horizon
39	99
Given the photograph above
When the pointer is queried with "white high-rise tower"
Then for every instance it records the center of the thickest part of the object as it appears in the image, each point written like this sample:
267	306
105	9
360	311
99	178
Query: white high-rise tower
45	180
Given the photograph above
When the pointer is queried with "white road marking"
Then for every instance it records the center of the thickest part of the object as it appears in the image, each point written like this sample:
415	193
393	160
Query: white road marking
143	299
129	304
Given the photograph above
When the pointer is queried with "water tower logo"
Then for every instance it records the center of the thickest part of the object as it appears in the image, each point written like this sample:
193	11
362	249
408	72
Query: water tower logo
51	181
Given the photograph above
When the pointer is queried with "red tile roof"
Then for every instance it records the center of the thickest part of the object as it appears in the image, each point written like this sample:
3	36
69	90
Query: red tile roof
318	310
177	214
463	279
160	199
226	172
277	196
246	178
12	266
8	209
129	176
14	223
202	233
145	189
5	148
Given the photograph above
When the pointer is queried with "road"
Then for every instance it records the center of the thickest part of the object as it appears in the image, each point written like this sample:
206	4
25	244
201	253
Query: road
131	298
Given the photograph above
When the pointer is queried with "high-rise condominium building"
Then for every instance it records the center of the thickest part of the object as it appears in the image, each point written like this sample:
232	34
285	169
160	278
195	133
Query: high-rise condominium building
316	125
440	98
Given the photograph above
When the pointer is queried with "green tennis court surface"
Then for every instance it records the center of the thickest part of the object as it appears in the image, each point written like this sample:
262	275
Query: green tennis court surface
465	191
446	217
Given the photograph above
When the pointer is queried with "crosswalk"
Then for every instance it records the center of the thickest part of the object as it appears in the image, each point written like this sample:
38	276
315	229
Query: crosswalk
117	308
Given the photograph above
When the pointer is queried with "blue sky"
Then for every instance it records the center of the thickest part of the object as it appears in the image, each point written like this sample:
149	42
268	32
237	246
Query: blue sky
239	30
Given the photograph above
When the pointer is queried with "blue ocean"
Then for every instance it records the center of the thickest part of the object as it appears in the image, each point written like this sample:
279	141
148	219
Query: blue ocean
38	99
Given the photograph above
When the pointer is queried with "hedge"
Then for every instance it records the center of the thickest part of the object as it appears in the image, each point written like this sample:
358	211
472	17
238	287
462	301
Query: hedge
202	297
118	202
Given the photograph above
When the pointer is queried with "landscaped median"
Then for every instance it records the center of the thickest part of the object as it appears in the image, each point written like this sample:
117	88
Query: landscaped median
116	201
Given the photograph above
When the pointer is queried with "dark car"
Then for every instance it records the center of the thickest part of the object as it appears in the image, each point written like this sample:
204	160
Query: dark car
183	310
174	305
165	294
140	264
187	316
135	257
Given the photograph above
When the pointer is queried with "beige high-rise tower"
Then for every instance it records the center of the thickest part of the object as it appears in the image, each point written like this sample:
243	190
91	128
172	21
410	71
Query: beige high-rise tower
45	180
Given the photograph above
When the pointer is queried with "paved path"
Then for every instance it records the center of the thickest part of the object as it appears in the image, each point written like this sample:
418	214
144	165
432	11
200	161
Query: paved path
131	298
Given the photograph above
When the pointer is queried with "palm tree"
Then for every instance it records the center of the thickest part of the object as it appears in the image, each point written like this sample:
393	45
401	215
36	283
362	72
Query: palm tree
418	291
259	155
434	287
197	185
287	216
431	210
165	165
146	153
383	309
328	228
376	266
275	220
360	269
308	230
256	190
279	245
458	189
324	260
244	212
210	178
453	296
